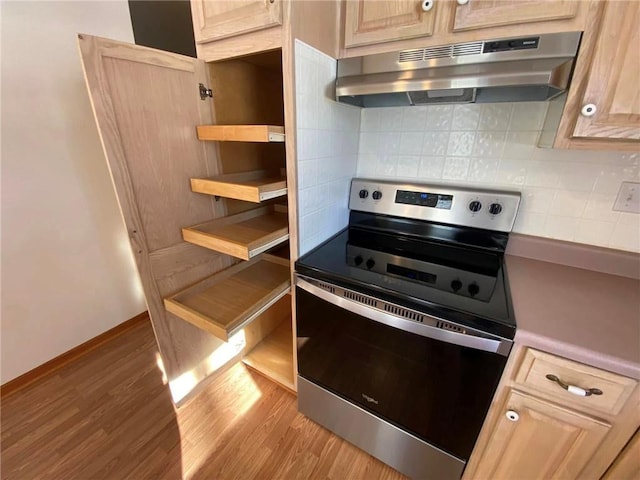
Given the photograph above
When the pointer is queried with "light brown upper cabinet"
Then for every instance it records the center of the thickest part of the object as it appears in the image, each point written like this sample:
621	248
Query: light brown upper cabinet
368	22
378	26
215	20
610	106
472	14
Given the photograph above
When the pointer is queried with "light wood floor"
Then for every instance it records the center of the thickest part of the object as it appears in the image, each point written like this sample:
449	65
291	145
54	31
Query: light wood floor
109	415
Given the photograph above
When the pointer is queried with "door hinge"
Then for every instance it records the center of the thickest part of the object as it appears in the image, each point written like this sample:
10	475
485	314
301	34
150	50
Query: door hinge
205	92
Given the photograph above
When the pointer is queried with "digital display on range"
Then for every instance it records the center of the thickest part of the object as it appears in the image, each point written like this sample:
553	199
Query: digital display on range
424	199
411	274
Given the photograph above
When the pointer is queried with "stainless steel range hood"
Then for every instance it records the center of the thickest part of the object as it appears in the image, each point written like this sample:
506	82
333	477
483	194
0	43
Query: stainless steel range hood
533	68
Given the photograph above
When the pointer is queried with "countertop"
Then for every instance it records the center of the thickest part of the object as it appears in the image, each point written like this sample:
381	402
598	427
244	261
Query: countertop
584	315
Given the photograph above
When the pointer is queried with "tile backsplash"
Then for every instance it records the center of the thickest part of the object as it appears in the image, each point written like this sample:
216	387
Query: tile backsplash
566	194
327	148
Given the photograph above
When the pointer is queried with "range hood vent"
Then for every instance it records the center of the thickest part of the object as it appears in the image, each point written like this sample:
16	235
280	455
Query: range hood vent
504	70
448	51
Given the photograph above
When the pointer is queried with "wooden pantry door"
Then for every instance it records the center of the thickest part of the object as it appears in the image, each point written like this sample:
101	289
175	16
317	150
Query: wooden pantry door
147	105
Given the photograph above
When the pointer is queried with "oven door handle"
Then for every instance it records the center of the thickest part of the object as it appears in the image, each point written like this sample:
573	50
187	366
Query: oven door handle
476	342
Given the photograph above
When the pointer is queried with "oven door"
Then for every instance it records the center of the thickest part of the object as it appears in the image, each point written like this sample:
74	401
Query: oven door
434	383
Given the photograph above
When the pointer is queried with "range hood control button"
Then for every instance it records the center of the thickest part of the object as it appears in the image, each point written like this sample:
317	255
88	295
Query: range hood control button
495	208
475	206
358	260
370	263
456	285
377	195
473	289
363	193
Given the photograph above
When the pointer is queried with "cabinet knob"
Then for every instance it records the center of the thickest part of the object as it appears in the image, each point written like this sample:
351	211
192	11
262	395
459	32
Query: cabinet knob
512	415
462	2
589	110
427	5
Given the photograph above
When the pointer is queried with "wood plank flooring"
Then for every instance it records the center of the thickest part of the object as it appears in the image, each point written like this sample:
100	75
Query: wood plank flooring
108	415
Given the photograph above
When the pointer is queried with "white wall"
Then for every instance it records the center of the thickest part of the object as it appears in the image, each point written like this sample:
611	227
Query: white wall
567	194
67	270
327	148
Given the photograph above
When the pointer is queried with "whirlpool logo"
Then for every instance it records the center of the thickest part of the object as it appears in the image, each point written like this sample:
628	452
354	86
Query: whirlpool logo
370	399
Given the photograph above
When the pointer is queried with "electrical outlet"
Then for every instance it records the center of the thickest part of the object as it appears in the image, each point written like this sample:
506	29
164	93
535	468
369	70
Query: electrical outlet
628	198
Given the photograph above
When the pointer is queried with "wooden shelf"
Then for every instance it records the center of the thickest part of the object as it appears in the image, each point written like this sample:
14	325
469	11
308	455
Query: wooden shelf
226	302
273	356
256	186
241	133
243	235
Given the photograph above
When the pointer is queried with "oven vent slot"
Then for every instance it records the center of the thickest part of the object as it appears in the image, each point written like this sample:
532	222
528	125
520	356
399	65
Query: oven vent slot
360	298
450	326
403	312
326	286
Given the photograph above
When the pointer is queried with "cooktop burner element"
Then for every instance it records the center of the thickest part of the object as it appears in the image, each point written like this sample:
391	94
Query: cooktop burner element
434	248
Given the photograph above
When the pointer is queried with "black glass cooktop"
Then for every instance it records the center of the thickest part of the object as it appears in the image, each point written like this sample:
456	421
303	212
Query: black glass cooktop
454	274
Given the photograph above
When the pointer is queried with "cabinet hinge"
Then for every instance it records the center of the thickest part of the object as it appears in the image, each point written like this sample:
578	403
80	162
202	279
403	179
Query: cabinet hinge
205	92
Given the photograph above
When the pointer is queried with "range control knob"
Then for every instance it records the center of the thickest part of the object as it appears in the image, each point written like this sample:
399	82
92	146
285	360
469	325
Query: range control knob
370	263
363	193
456	285
495	208
377	195
475	206
473	289
358	260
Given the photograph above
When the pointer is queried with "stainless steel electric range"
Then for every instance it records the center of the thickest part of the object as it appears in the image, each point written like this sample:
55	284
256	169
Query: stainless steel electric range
404	322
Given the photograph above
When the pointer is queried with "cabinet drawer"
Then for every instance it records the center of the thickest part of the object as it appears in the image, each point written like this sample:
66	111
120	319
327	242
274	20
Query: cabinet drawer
537	365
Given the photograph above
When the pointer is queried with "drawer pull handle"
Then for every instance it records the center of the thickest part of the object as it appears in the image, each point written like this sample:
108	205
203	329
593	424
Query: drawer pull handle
573	389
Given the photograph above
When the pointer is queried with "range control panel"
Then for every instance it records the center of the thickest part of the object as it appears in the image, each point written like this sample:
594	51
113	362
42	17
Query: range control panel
424	199
488	209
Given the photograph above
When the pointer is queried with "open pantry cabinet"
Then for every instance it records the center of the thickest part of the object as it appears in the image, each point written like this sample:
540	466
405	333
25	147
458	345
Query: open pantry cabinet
197	156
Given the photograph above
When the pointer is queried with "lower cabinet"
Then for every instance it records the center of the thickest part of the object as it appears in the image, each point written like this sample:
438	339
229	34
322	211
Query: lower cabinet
536	439
554	418
627	465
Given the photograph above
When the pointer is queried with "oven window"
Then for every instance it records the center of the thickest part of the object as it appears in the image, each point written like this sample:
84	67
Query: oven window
437	391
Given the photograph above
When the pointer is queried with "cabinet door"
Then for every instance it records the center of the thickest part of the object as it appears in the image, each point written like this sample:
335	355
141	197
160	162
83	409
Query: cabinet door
546	441
147	104
612	83
217	19
376	21
627	465
493	13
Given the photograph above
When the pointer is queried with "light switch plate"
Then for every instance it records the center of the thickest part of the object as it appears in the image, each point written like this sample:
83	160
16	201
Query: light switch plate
628	198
